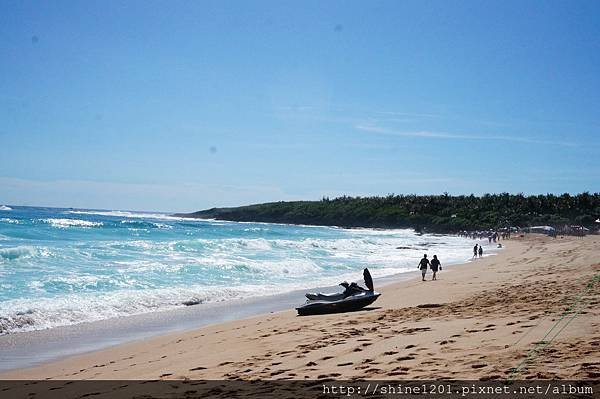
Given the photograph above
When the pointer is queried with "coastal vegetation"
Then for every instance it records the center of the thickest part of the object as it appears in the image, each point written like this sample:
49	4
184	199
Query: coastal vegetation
434	213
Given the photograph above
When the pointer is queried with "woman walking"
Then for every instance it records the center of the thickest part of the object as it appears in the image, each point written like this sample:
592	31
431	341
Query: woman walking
435	265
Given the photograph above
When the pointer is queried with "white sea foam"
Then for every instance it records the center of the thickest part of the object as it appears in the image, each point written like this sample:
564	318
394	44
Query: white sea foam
5	208
64	223
9	220
22	315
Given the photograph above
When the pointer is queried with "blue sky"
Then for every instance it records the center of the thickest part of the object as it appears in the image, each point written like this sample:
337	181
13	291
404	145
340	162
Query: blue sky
179	106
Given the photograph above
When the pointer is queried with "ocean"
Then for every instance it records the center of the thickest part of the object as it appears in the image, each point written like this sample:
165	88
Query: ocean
61	267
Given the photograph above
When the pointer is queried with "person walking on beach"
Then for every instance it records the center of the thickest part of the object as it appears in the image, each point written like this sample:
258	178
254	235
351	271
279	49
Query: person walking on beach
423	265
480	251
435	265
475	251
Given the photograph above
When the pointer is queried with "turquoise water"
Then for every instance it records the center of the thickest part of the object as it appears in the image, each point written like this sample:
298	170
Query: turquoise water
67	266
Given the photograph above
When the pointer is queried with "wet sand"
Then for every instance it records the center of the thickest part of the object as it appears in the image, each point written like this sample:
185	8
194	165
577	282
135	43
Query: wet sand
480	320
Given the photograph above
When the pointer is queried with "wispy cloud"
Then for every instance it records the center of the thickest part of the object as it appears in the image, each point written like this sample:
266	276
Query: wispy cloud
297	108
452	136
409	114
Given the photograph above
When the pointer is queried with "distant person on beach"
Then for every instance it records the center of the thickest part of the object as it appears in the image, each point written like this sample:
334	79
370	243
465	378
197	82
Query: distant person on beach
423	266
435	265
480	251
475	251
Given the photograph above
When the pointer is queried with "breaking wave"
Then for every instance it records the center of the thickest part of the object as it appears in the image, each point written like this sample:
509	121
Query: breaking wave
64	223
21	315
140	224
16	252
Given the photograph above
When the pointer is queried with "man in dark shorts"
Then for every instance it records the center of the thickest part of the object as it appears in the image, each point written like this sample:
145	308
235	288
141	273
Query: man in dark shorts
423	265
480	251
435	265
475	251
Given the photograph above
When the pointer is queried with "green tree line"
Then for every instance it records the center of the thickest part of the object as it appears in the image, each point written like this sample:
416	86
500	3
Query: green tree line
434	213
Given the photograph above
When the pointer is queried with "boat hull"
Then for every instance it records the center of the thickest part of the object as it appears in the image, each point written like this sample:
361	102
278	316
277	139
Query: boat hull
348	304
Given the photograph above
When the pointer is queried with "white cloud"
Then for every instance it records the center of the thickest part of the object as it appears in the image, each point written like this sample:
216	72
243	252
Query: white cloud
443	135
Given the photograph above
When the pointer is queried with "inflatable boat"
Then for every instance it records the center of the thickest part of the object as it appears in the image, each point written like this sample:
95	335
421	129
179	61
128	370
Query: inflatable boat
353	298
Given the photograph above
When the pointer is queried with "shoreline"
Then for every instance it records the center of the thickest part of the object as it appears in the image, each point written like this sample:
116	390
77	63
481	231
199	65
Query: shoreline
480	321
61	342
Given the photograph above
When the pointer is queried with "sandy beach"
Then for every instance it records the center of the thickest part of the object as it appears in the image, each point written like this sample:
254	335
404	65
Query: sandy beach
480	320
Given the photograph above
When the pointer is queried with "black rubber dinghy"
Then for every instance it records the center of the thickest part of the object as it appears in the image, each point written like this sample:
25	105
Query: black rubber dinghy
353	298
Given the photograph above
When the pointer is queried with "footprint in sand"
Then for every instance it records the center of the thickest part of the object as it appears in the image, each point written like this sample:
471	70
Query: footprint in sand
373	371
274	373
415	330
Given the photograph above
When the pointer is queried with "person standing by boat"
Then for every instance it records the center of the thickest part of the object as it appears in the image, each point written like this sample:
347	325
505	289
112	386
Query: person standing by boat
435	265
423	265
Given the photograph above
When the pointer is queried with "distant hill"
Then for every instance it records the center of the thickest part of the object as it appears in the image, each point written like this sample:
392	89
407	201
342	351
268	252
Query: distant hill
433	213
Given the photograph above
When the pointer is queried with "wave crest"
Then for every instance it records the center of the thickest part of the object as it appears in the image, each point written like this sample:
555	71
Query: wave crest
16	252
75	309
64	223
